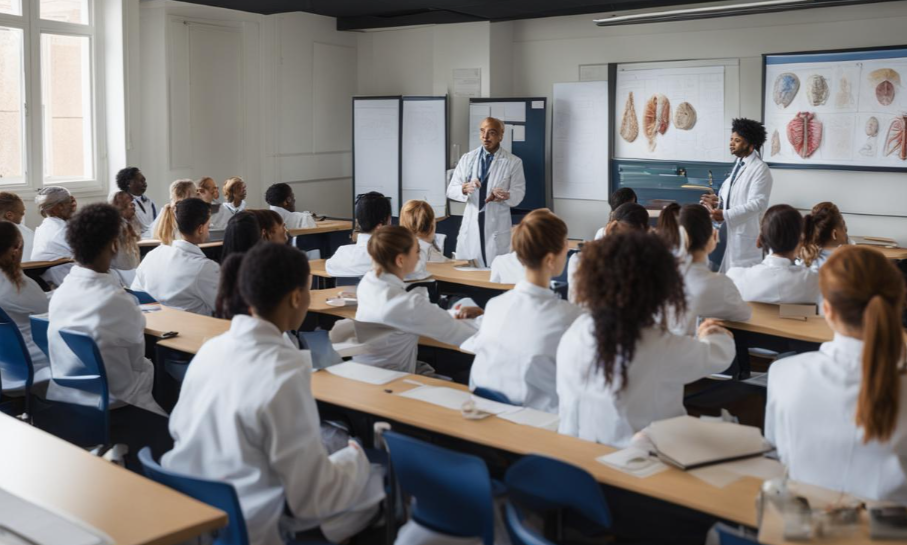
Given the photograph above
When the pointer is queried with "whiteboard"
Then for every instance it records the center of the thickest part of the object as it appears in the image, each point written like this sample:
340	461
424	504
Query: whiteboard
376	148
710	87
579	145
424	167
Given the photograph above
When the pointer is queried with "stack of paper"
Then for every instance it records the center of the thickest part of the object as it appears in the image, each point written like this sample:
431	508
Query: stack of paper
365	373
453	399
634	461
24	522
689	443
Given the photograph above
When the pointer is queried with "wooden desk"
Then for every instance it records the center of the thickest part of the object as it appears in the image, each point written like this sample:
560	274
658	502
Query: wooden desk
895	254
573	243
131	509
447	272
317	267
43	265
194	329
766	321
324	226
154	243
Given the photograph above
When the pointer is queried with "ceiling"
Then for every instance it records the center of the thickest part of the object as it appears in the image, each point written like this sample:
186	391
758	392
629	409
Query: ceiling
370	14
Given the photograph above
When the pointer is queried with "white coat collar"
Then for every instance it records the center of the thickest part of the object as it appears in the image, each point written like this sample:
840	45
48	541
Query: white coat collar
79	271
262	330
847	353
280	210
772	260
362	239
188	247
525	286
59	223
392	280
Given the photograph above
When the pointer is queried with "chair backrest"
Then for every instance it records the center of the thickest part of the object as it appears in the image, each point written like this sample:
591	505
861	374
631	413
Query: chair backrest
545	484
144	298
93	381
730	536
217	494
493	395
519	534
452	491
39	327
347	280
319	345
15	361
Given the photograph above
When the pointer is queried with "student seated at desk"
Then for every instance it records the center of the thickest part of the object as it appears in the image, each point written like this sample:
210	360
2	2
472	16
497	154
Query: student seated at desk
209	192
165	228
419	217
507	268
373	211
708	294
281	199
838	417
246	415
20	296
383	299
12	209
242	233
517	342
824	230
57	206
273	229
229	302
128	254
91	301
180	275
235	195
132	181
618	368
626	217
778	279
620	197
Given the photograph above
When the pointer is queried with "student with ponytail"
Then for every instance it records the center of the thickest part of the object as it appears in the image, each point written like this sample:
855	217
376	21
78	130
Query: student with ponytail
824	230
837	416
690	232
165	228
383	300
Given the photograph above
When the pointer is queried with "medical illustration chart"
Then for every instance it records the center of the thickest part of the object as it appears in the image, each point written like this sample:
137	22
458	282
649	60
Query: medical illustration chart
846	109
671	113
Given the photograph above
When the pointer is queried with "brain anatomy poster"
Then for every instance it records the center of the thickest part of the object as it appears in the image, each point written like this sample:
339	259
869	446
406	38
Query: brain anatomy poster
840	109
671	113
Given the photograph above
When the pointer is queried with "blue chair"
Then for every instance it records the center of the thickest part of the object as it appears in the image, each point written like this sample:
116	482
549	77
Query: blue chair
15	361
220	495
90	424
39	327
547	485
347	280
142	297
493	395
731	536
452	491
519	534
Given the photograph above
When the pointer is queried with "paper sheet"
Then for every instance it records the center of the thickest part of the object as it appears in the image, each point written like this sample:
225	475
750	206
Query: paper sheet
450	398
515	111
364	373
634	461
42	526
472	269
519	133
534	418
722	475
538	104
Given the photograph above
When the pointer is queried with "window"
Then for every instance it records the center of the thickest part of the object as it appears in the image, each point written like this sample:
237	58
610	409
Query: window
48	111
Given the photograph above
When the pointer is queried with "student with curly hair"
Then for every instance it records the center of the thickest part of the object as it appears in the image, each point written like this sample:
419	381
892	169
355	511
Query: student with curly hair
824	230
280	198
618	367
235	194
743	196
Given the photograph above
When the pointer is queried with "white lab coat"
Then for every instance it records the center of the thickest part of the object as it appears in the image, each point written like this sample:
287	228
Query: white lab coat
128	256
145	212
573	267
383	299
820	260
50	245
246	415
234	209
179	276
749	201
809	417
507	269
663	363
94	303
28	241
295	220
506	172
20	303
776	280
428	254
708	295
517	345
220	215
350	259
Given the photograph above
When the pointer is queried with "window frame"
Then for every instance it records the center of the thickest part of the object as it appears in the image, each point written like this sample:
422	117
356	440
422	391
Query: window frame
33	27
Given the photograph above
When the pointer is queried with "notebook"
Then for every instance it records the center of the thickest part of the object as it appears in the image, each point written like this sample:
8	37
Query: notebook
687	443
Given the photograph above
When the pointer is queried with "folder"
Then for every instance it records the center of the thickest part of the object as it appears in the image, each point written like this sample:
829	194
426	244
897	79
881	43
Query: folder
688	443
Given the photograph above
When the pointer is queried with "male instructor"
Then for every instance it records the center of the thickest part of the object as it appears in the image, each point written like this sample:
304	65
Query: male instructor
743	197
489	179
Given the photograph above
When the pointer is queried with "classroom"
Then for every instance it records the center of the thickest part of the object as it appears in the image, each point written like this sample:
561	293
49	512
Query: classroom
453	272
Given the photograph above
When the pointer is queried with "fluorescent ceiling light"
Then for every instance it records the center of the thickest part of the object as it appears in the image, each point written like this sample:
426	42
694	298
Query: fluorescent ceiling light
722	10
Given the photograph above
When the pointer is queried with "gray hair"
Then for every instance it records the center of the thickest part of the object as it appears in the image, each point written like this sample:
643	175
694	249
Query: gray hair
51	196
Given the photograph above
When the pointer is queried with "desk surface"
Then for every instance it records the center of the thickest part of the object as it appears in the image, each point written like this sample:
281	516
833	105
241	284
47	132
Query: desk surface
194	329
442	272
154	243
325	226
896	254
131	509
766	320
31	265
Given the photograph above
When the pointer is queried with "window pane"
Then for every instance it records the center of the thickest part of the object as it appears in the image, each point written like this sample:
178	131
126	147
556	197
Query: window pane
66	93
13	7
11	108
66	11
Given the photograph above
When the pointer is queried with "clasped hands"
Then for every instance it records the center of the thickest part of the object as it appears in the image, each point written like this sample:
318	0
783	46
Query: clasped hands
496	195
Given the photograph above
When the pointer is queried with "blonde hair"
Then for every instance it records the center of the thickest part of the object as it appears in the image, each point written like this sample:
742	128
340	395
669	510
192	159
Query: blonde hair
387	243
539	233
418	217
166	227
229	185
204	179
867	293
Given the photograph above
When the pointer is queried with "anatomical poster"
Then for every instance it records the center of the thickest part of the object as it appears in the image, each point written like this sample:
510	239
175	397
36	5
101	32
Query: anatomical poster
842	109
670	113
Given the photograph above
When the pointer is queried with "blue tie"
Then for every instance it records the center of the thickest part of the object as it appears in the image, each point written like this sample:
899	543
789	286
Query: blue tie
737	169
483	177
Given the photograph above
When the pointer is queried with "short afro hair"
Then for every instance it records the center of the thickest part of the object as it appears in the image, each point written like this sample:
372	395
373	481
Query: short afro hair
622	196
751	131
91	230
125	176
278	194
269	272
191	214
372	209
